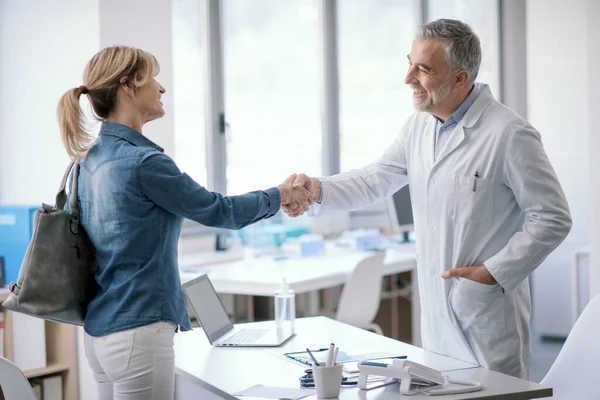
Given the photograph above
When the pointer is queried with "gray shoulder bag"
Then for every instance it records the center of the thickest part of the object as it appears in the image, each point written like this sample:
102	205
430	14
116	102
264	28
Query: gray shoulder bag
56	279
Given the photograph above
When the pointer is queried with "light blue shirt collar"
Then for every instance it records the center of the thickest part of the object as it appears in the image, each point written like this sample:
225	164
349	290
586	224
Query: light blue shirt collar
444	130
460	112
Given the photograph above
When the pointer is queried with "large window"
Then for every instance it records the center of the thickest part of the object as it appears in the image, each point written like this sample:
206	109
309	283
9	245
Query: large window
374	39
482	15
188	90
272	80
273	76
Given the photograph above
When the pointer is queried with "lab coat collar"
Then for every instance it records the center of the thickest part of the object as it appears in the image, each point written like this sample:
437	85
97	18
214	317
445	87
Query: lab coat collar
479	106
458	135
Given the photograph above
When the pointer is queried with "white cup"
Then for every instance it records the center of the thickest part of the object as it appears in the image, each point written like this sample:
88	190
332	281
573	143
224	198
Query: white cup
328	380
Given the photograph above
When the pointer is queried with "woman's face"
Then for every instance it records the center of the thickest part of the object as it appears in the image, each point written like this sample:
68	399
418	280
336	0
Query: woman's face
147	98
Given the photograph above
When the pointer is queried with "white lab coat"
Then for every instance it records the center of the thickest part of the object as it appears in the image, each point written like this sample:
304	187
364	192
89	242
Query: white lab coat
516	216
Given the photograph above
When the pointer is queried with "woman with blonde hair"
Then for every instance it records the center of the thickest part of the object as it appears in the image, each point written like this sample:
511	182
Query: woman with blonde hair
133	199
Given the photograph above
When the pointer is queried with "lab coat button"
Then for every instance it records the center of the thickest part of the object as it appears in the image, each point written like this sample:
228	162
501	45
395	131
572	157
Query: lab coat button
433	181
431	229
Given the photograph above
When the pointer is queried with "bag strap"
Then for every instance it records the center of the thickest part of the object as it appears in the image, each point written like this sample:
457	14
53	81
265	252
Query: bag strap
73	201
61	196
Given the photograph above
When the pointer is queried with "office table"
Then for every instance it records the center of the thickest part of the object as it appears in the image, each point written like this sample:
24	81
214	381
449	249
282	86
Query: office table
207	372
262	276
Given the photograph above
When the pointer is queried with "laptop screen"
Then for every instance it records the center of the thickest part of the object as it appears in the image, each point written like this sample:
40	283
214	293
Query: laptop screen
207	307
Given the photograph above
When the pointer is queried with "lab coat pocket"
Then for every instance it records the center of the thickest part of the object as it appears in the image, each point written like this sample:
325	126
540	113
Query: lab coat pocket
478	308
472	198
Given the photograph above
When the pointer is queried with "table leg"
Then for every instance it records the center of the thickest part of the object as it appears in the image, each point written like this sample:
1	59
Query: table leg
415	304
575	277
236	316
395	307
312	303
328	302
250	308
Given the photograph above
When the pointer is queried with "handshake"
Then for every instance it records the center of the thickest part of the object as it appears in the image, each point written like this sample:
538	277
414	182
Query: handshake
297	193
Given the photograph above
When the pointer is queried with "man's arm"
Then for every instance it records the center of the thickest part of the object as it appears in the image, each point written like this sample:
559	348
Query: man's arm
530	176
360	187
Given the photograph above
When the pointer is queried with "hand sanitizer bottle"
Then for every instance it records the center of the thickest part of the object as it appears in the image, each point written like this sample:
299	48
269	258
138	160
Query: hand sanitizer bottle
285	307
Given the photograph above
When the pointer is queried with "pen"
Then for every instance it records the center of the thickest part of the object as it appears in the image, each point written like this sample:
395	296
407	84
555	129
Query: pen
330	355
475	181
375	364
313	350
311	356
312	380
335	353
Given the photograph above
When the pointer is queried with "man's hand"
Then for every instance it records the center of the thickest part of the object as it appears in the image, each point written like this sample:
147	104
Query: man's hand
478	273
310	184
305	183
294	200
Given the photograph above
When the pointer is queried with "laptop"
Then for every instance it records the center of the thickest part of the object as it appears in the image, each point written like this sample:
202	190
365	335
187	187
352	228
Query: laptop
211	315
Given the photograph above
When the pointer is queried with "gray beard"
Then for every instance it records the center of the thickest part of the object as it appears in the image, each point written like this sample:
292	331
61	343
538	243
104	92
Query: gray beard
434	98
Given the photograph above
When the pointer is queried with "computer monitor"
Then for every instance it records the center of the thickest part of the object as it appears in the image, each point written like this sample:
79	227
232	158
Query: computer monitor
400	213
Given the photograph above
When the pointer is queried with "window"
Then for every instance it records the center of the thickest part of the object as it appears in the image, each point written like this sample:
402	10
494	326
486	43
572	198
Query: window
374	39
272	81
483	17
188	90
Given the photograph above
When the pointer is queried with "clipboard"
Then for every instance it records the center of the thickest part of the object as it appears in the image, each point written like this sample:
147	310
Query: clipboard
342	357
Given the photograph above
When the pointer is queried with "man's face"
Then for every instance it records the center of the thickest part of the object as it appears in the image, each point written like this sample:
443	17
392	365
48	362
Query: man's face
428	74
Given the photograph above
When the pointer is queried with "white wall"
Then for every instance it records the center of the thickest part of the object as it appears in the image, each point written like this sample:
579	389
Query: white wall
557	106
44	46
593	84
145	24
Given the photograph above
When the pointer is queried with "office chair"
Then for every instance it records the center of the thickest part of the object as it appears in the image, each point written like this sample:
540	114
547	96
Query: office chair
361	296
14	383
574	373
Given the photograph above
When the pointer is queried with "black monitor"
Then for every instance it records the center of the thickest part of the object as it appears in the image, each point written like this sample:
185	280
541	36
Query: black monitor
400	213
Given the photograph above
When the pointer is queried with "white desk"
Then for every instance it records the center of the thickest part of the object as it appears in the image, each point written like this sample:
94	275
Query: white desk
207	372
262	276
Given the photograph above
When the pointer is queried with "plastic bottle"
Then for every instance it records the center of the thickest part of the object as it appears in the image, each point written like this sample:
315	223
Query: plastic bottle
285	307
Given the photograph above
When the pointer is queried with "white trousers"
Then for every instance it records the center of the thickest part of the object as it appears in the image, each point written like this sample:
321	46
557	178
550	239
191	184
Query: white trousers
135	364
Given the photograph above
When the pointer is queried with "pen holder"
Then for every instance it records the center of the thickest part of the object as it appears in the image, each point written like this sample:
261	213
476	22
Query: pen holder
328	380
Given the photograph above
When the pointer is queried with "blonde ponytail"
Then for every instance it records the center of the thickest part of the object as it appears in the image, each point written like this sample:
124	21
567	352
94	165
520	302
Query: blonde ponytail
109	69
75	137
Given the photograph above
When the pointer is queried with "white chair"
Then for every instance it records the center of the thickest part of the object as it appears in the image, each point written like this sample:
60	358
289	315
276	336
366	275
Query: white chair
13	382
361	295
574	373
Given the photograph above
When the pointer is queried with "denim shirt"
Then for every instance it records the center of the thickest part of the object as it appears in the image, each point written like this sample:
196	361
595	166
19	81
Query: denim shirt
133	199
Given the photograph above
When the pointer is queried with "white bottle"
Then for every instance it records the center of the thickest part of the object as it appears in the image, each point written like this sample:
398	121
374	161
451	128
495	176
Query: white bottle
285	307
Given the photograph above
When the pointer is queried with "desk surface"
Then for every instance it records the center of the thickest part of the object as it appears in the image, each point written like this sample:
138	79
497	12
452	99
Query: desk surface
262	276
233	369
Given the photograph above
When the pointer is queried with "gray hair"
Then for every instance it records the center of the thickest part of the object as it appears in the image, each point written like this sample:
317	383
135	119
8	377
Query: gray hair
461	44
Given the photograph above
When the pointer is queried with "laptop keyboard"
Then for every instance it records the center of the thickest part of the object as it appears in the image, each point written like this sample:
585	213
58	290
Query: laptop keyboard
246	336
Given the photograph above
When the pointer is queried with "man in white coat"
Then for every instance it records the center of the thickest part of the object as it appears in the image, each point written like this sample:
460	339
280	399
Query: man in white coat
487	205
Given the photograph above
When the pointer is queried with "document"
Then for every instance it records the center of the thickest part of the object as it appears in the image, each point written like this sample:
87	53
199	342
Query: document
342	357
272	392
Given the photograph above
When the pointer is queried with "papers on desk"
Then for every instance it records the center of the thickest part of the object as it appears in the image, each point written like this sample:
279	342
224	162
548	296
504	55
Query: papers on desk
342	357
272	392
